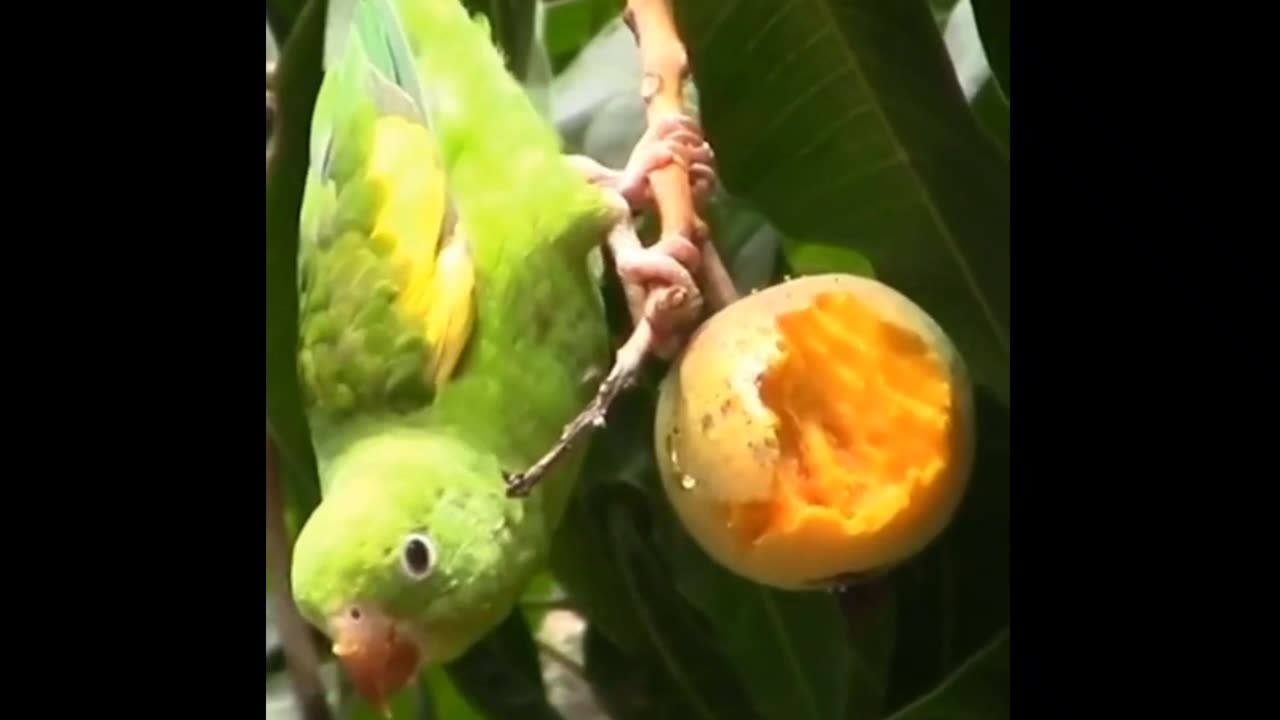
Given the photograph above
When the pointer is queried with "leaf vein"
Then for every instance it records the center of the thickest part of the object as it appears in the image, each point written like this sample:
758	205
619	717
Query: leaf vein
779	120
789	652
831	130
717	23
783	9
792	56
652	628
930	203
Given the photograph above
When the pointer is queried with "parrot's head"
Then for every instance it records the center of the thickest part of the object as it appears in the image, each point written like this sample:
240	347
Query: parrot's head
411	557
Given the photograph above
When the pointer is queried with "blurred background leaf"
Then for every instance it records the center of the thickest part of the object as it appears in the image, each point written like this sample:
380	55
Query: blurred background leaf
844	123
501	674
977	689
626	584
443	701
870	618
954	597
993	27
571	24
789	649
814	258
281	15
693	662
598	110
748	244
974	74
297	81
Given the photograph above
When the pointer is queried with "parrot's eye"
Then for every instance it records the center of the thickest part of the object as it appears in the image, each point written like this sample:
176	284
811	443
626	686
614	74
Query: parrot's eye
418	556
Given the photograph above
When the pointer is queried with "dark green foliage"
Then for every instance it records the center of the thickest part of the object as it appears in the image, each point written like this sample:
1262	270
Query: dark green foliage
860	137
954	597
978	688
297	83
501	675
844	123
993	27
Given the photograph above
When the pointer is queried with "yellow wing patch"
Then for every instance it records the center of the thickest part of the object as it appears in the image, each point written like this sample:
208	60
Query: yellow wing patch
434	270
450	313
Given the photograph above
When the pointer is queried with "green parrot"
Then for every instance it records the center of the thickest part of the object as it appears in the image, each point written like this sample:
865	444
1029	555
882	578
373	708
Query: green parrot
450	325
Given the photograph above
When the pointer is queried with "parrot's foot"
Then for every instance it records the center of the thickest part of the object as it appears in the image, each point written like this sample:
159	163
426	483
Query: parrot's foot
658	282
674	139
668	264
659	315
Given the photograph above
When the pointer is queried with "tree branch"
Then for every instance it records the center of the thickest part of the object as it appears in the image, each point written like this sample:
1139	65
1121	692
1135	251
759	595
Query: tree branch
684	236
666	67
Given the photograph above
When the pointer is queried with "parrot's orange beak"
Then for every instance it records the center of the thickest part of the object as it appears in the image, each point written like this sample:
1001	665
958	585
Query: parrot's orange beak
380	657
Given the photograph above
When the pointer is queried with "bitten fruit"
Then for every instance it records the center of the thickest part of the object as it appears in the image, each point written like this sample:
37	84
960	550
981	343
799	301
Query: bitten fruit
814	430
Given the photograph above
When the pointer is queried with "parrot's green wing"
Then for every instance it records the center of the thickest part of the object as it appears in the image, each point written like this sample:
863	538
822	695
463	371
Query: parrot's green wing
386	282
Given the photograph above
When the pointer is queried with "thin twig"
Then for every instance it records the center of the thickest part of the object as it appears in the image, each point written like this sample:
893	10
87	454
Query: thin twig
629	358
684	236
301	658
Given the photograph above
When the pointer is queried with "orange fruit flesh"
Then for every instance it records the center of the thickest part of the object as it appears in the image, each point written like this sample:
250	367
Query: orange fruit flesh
862	413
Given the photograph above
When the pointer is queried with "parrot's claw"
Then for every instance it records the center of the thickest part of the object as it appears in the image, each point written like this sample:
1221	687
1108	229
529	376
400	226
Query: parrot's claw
673	139
661	293
666	263
658	316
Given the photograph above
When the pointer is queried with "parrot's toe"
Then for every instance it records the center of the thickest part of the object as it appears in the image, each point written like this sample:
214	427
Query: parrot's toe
678	139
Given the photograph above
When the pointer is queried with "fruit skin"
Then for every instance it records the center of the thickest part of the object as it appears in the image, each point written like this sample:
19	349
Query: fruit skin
711	427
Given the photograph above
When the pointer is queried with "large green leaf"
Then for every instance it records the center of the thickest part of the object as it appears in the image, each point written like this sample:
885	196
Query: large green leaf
871	615
974	73
977	689
297	83
815	258
632	686
606	557
571	24
789	648
941	9
696	667
844	123
581	553
581	560
443	700
281	15
954	597
627	689
993	26
501	675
